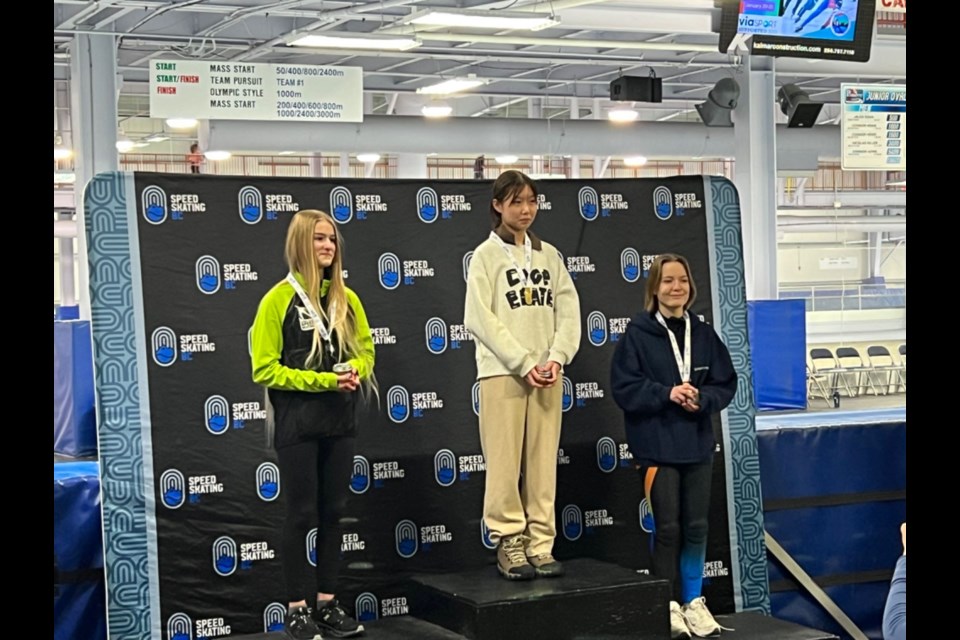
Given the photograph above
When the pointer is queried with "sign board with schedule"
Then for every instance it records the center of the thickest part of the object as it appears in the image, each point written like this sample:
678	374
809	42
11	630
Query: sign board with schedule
874	127
224	90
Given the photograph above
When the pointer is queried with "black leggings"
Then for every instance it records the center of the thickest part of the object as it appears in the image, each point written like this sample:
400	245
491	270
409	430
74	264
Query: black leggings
314	481
679	498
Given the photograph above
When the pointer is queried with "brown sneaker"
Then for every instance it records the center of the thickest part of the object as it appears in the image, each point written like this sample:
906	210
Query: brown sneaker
512	561
546	566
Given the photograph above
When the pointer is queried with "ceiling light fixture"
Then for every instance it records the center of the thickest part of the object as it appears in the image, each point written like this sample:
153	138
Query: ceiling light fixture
506	159
454	85
438	110
483	19
181	123
217	155
368	158
622	115
360	41
634	161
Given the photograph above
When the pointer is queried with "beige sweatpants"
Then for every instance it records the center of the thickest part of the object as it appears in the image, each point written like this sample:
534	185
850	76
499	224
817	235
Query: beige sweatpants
520	434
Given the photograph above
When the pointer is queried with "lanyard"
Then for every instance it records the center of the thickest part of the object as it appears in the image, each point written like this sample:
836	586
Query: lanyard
524	274
314	316
683	362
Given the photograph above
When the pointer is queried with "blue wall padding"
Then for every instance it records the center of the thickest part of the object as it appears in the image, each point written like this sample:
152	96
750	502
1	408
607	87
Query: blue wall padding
79	602
803	462
778	343
851	545
863	548
74	413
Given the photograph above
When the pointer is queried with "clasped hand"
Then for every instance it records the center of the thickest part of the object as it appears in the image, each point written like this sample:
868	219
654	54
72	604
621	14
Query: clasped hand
543	376
687	396
348	381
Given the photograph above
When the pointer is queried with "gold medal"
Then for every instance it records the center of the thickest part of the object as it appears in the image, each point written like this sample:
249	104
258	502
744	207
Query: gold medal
528	295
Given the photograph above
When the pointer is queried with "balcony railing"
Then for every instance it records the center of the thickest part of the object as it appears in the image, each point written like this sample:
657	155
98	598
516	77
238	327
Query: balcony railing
446	168
832	297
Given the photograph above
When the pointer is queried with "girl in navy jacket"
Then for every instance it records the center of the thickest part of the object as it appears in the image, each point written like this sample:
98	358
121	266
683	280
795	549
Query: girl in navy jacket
670	373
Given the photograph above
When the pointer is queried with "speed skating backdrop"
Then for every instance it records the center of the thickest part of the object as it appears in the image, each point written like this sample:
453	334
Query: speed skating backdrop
192	498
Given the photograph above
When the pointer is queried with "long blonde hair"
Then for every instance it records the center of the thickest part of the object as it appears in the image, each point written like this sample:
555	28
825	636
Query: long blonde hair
301	258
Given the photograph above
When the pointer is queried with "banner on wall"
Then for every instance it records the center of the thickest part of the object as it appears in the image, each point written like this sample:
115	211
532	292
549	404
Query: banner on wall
210	247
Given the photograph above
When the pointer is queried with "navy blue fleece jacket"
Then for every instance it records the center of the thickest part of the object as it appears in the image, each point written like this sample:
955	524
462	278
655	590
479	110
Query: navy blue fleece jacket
643	372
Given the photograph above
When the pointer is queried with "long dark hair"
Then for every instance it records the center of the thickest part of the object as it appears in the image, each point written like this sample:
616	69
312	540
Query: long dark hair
509	184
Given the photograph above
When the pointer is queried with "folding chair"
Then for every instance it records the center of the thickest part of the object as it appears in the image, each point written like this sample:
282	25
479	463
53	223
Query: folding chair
884	370
852	367
823	372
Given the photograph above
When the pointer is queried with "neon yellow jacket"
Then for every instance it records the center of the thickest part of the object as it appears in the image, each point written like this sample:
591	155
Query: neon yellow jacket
276	320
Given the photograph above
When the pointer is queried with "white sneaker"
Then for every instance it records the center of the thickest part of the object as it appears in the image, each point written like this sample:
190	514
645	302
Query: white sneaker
678	628
699	619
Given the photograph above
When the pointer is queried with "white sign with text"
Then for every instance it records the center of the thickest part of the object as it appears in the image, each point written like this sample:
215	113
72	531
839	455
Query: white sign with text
219	90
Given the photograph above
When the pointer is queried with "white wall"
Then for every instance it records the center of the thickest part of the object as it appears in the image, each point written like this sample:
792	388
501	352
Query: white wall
800	262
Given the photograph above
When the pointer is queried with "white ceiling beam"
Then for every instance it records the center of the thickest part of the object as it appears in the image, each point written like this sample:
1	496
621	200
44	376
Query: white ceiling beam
567	43
150	5
663	20
414	134
86	12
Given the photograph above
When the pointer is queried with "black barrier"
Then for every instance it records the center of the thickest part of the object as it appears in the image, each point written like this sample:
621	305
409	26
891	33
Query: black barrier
210	247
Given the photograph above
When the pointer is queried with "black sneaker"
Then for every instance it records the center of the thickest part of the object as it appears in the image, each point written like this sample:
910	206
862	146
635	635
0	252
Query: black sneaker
334	621
299	625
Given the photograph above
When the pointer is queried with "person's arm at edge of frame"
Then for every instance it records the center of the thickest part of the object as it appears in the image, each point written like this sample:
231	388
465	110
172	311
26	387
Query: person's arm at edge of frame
895	610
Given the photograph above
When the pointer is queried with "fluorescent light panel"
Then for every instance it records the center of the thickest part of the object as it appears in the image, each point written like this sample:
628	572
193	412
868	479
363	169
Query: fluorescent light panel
368	157
505	159
454	85
217	155
354	42
484	19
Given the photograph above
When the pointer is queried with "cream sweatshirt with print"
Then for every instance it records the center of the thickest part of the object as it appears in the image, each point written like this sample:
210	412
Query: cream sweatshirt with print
512	332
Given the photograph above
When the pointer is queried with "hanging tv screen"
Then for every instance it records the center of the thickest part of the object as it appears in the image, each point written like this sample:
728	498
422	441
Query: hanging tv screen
825	29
